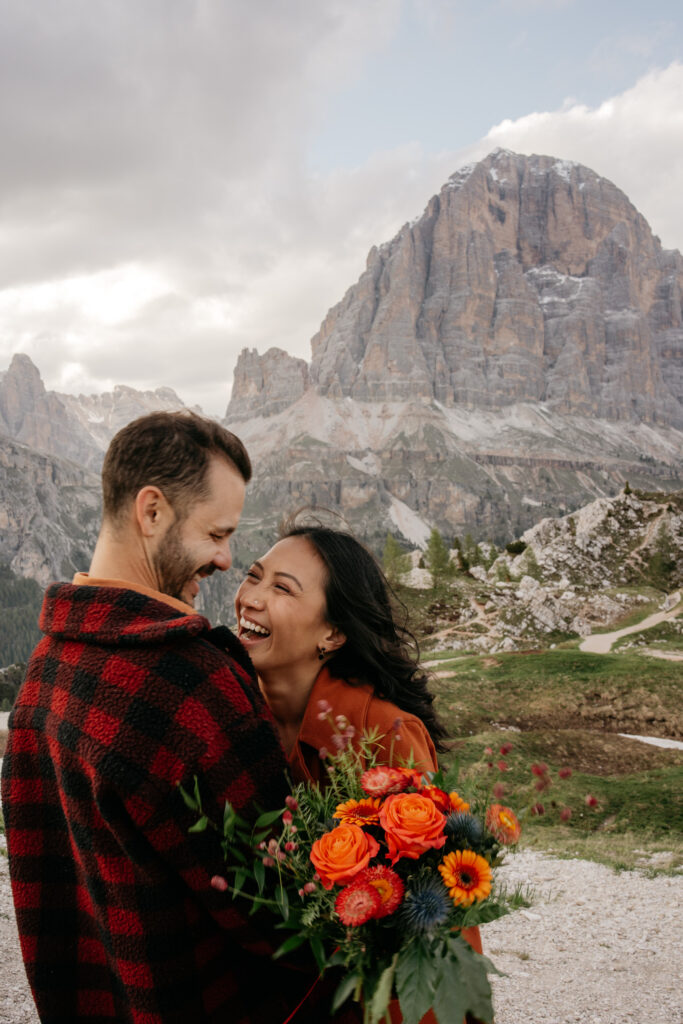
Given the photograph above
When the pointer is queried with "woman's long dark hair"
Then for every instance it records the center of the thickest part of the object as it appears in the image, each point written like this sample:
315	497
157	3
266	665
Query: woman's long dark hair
378	650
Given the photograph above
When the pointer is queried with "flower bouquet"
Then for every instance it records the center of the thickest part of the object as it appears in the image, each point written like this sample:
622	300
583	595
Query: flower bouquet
379	872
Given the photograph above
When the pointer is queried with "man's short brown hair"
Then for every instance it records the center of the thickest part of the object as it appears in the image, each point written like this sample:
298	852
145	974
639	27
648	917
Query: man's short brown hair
171	451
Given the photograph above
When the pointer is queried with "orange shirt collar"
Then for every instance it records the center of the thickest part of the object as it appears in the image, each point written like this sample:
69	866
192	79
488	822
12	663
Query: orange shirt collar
84	579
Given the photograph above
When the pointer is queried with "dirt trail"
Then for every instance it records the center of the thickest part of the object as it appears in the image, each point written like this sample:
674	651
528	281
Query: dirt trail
601	643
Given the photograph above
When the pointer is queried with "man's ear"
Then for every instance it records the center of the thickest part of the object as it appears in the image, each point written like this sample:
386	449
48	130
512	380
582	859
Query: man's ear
334	639
153	513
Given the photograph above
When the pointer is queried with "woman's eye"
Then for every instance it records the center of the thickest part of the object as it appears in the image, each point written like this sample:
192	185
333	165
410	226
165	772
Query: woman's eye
283	587
251	575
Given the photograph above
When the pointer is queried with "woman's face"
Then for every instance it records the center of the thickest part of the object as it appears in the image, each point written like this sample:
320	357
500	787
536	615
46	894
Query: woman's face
280	608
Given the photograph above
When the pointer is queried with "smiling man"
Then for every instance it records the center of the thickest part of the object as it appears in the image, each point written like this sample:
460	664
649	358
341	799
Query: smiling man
129	693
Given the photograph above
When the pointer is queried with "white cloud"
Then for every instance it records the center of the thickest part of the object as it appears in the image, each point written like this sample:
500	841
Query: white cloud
156	209
634	139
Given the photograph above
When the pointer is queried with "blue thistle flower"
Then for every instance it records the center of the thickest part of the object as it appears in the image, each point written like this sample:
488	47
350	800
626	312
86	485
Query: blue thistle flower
464	830
425	904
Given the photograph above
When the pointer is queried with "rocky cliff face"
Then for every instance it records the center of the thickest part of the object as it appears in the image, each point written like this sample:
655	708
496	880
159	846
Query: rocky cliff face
38	418
69	426
527	279
267	383
49	513
514	352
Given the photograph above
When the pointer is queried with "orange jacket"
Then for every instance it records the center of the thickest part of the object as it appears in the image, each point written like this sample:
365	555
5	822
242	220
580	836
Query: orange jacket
364	711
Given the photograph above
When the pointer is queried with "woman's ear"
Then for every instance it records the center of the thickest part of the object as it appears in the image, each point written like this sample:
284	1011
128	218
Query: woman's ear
334	639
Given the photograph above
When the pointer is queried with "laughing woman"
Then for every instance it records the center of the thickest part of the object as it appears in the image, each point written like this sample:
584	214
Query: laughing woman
315	615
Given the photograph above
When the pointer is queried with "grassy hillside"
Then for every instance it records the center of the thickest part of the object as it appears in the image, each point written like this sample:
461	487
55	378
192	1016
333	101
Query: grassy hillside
565	709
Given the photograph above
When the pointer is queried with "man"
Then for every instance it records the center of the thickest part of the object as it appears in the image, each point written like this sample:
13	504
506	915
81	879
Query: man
130	692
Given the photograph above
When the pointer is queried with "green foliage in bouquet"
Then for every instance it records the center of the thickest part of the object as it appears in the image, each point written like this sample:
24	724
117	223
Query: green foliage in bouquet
379	872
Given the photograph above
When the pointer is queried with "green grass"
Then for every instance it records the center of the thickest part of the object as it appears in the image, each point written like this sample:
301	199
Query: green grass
550	689
555	707
666	636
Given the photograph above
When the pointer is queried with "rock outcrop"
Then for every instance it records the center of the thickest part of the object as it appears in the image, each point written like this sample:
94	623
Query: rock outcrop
38	418
515	351
76	427
49	513
527	279
267	383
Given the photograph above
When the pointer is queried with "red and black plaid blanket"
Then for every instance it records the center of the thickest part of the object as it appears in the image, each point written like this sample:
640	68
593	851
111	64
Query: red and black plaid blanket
123	698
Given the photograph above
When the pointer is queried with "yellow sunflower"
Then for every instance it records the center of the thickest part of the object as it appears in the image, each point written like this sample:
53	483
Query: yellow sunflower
467	877
359	812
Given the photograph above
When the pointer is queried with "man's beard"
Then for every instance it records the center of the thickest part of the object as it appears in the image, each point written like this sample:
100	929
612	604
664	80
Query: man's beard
174	566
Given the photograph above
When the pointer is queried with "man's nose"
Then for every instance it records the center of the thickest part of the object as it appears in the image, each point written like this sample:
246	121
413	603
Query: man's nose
223	557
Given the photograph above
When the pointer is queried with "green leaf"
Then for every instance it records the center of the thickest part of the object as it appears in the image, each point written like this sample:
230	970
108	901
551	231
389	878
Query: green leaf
268	818
450	995
293	942
258	837
199	826
228	818
282	901
318	952
467	970
382	994
188	800
197	794
260	874
415	979
240	878
345	989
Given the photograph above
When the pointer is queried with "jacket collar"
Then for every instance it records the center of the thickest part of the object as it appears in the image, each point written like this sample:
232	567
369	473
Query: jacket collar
114	615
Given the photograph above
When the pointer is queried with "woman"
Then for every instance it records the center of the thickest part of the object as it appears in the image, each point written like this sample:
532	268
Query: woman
315	616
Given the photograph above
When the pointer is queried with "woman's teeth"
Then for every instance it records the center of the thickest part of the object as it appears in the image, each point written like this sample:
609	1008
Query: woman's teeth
253	627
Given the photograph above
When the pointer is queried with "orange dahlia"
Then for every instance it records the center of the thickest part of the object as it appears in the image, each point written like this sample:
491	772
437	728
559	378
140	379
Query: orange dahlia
359	812
358	903
388	885
502	823
467	877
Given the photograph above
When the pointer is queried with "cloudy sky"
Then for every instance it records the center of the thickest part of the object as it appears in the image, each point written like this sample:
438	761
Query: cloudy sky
183	178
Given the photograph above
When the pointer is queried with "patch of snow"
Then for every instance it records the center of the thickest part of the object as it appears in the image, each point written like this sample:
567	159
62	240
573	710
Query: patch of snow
408	522
655	741
369	464
563	169
526	500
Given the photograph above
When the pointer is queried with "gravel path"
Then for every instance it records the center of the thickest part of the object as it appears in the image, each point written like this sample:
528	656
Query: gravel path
597	947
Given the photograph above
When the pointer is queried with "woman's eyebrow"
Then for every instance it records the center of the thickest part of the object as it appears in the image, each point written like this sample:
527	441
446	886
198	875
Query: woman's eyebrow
289	577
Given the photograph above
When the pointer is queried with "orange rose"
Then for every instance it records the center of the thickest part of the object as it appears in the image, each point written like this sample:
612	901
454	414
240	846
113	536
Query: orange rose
339	855
413	824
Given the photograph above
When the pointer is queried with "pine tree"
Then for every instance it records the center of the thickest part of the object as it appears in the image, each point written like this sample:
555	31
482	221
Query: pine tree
436	558
394	560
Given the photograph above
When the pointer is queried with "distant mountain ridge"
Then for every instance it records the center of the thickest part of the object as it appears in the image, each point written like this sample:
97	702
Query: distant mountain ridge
77	427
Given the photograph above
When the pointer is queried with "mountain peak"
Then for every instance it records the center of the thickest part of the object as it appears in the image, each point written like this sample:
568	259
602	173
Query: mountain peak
526	279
